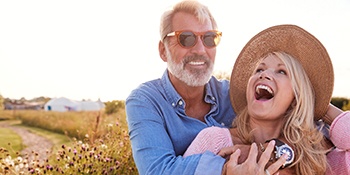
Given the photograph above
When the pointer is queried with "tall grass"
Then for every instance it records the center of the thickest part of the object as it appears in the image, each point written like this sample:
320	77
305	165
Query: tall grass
7	134
100	144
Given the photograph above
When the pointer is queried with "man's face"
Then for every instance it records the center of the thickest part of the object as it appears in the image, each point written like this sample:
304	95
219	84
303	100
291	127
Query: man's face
194	65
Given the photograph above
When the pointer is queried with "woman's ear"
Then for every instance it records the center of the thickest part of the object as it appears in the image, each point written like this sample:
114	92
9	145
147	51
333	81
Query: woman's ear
162	51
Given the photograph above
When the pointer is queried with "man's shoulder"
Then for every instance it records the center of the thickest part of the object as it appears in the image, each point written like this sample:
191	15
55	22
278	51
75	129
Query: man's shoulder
219	88
149	87
219	83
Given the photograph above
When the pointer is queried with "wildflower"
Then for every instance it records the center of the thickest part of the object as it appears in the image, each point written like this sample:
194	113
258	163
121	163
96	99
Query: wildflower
9	161
49	167
19	159
103	146
17	168
37	170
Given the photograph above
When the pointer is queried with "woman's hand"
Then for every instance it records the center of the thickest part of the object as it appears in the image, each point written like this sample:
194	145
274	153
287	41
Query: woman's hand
252	166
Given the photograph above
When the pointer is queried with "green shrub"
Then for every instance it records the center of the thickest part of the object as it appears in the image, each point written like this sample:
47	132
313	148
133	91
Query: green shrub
339	102
114	106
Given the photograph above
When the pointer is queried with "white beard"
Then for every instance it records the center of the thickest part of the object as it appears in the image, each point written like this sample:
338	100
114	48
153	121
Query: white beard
192	77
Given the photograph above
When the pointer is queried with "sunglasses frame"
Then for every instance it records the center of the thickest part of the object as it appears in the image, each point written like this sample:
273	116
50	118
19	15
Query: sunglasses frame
196	34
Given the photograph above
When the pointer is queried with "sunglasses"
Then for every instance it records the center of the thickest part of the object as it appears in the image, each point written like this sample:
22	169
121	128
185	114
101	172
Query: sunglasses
188	39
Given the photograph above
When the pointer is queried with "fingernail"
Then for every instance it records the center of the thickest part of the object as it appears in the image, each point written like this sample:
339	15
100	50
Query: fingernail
238	151
285	156
254	144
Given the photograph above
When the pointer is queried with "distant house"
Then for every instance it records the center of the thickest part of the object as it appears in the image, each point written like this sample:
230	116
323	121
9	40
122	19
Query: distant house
19	105
91	105
63	104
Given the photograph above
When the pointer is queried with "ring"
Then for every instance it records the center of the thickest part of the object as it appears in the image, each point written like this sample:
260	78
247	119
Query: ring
262	147
267	172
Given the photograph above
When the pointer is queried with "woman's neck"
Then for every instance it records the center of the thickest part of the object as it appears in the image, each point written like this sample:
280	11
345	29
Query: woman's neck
266	130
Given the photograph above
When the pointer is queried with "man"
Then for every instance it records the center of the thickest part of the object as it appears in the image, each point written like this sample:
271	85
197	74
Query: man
164	115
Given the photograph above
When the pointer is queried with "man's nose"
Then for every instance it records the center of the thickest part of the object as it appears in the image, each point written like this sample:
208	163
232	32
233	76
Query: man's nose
199	47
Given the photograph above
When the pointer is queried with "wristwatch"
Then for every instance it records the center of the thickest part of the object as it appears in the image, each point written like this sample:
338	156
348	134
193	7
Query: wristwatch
280	149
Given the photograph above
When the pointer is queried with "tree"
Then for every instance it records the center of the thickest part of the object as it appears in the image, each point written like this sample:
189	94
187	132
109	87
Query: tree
114	106
2	100
221	75
339	102
346	106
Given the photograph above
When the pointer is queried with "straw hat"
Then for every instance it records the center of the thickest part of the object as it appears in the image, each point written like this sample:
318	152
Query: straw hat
296	42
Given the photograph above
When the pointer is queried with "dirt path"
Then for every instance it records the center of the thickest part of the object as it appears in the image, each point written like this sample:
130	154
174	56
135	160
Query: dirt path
34	144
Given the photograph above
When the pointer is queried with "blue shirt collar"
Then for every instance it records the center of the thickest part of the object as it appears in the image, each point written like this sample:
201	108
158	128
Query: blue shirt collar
174	98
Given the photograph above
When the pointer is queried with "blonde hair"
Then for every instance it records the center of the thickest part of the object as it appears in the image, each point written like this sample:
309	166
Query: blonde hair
299	128
200	11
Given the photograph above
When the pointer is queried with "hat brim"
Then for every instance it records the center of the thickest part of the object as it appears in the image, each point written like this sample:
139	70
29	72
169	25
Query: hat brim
296	42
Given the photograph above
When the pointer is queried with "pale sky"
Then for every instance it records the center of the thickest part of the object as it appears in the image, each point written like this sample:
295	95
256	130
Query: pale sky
84	49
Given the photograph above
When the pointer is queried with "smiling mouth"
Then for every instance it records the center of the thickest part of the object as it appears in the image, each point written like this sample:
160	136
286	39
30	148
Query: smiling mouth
263	92
196	63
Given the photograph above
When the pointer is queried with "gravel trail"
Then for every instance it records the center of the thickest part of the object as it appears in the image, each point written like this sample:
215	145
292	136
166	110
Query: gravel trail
34	144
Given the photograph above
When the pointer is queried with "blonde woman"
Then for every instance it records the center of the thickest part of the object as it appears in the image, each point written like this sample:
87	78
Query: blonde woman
281	84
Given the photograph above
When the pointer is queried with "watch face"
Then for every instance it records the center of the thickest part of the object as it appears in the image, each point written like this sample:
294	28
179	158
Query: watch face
288	151
285	149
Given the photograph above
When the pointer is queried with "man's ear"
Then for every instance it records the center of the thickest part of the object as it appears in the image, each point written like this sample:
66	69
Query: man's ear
162	52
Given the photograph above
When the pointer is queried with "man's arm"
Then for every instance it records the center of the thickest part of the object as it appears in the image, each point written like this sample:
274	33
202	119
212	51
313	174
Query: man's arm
153	149
331	114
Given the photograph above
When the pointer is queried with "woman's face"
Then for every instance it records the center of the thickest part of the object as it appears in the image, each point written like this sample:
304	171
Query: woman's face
269	90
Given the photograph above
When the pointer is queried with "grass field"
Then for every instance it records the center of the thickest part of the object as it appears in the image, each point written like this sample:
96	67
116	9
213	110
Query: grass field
10	141
85	143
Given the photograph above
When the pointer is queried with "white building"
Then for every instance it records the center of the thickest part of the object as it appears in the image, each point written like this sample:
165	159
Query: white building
63	104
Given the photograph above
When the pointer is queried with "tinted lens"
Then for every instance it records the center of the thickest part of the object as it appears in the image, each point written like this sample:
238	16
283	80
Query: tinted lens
187	39
211	39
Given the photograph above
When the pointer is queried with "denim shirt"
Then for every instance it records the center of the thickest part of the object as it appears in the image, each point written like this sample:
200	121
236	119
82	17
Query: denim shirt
160	131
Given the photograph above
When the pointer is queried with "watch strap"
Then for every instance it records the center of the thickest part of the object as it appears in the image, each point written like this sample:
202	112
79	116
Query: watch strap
278	142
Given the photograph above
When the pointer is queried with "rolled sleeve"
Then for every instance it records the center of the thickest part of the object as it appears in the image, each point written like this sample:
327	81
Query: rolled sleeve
210	164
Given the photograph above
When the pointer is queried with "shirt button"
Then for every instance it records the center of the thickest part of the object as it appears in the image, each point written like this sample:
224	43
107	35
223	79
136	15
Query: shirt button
173	104
213	98
180	103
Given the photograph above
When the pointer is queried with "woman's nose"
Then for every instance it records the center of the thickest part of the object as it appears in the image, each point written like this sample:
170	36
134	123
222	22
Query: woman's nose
265	75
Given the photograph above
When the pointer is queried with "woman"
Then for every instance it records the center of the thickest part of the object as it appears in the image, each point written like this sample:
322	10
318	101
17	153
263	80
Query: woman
280	75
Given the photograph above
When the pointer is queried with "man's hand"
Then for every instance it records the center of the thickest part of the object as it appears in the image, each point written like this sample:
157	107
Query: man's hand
254	165
226	152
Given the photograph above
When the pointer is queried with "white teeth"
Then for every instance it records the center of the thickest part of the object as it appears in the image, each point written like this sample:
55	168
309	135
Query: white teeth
196	63
263	87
